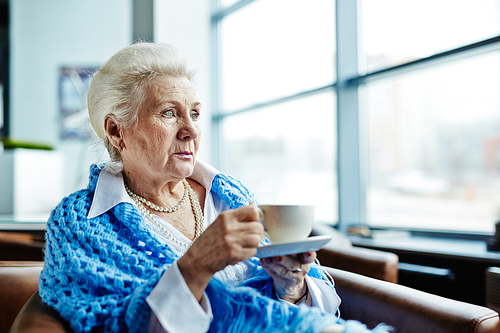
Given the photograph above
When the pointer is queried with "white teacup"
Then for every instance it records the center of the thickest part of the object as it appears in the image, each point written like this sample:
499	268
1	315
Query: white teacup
287	223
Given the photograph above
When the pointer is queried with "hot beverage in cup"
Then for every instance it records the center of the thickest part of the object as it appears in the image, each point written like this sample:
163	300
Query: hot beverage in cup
287	223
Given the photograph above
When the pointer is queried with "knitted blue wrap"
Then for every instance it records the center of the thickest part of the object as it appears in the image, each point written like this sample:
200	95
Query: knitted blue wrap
98	272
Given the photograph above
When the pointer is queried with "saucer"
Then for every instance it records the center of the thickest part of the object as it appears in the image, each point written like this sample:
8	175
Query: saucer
281	249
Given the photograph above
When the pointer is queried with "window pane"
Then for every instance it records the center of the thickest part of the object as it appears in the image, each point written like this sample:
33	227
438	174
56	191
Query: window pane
434	147
396	31
285	153
275	48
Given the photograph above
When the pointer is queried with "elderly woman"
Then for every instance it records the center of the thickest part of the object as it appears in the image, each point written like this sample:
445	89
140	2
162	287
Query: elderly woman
160	241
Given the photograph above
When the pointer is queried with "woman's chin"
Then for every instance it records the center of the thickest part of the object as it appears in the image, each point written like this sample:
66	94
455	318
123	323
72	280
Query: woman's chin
182	170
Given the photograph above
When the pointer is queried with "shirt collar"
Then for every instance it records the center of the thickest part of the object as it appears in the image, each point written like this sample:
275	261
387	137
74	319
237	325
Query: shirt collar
110	188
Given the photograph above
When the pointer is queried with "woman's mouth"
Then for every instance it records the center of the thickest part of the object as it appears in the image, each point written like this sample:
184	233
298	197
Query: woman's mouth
185	155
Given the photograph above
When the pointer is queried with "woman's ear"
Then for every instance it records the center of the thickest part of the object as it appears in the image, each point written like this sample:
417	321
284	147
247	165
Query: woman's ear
113	131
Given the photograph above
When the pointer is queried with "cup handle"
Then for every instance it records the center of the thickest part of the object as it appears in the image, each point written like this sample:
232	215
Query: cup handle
261	212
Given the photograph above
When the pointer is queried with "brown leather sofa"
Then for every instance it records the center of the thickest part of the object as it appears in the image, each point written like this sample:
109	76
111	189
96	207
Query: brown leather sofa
372	301
18	281
366	299
340	253
18	246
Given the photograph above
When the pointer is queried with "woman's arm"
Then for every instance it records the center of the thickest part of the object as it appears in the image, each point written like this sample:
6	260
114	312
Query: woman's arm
225	242
174	307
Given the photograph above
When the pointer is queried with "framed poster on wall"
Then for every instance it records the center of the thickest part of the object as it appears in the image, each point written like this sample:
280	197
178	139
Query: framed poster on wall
74	84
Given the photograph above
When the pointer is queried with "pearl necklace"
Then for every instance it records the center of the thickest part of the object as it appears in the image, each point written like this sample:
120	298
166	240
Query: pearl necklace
158	208
195	205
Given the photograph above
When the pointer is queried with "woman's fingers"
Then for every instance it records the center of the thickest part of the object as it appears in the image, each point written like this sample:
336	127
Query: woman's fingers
233	237
251	234
247	213
243	227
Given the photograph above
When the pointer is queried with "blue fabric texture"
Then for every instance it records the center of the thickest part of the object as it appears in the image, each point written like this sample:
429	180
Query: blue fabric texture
98	272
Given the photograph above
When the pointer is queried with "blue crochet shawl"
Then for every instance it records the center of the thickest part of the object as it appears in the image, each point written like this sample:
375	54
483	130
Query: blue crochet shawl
98	272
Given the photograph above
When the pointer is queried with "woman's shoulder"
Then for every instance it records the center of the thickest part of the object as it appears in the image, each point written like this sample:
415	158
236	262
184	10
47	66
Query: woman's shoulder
76	203
78	199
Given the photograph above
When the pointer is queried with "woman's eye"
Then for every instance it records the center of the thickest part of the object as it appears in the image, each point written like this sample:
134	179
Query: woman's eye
195	116
169	113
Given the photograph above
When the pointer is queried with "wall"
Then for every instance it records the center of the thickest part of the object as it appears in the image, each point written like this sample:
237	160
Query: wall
44	36
47	35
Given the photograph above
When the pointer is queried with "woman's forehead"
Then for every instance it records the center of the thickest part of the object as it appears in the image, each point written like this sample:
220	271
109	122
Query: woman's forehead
170	85
164	89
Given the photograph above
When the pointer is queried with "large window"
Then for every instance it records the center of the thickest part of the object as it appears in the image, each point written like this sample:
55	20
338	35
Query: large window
434	144
276	115
414	118
433	130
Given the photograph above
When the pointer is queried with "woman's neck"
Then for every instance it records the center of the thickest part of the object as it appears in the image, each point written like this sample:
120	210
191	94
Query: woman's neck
160	192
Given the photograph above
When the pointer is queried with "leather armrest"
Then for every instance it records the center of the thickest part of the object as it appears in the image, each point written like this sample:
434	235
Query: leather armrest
18	281
18	246
376	264
38	317
340	253
373	301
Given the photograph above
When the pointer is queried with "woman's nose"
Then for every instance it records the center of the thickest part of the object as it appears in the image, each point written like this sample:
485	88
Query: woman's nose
189	130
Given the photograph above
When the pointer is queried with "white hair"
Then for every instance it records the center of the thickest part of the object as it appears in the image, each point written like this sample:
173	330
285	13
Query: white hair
119	87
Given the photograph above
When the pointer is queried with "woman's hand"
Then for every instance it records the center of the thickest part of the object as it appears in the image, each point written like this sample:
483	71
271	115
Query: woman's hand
225	242
288	273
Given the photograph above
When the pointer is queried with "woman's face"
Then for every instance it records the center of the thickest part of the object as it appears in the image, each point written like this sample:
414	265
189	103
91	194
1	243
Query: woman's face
166	137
